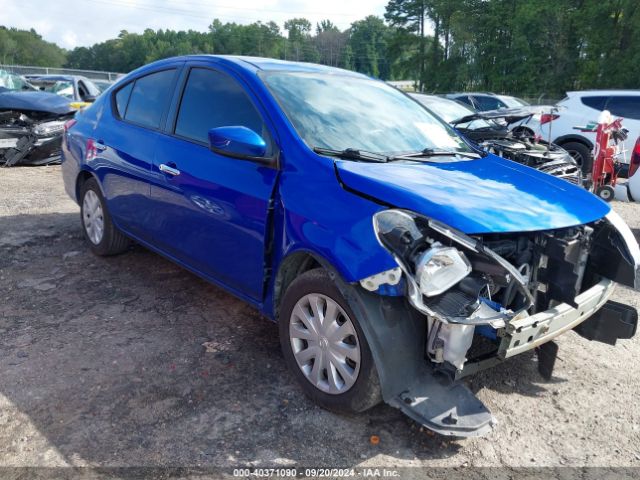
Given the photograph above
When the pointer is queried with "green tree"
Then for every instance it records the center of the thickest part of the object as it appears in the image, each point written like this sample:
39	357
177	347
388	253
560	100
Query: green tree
26	47
368	40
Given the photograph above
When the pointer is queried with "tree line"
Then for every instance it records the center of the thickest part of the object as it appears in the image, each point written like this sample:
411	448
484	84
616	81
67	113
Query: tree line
509	46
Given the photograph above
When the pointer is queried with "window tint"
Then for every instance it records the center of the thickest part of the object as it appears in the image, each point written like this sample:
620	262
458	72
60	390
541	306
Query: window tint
594	102
122	98
488	103
149	98
213	99
465	99
625	107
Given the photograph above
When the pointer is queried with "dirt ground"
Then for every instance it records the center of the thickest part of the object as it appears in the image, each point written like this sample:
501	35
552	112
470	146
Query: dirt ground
132	361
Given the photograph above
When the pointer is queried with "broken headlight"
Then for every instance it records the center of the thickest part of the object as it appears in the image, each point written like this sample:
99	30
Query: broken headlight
451	276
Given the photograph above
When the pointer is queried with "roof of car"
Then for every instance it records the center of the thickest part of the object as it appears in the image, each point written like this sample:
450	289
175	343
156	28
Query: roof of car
471	93
264	64
57	78
603	92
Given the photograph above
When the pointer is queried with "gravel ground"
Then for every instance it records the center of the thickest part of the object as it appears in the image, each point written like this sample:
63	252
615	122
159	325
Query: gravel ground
132	361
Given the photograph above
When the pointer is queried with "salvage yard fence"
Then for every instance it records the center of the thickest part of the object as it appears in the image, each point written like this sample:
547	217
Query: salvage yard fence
534	98
32	70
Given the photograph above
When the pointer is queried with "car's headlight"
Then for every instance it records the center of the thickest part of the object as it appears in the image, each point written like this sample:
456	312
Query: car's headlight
48	129
449	275
440	268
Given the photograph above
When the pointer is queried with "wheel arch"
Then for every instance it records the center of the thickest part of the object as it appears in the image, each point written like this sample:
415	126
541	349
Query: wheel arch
574	138
292	266
81	179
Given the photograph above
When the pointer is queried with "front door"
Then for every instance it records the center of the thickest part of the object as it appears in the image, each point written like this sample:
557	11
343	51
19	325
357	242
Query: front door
210	211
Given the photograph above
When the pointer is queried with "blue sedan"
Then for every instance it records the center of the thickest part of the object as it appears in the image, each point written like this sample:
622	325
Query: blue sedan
395	256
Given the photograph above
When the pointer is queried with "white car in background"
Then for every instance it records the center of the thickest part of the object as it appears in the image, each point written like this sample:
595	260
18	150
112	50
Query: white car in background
572	124
630	191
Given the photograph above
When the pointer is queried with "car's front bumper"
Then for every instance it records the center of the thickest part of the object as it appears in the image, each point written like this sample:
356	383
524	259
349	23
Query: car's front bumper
532	331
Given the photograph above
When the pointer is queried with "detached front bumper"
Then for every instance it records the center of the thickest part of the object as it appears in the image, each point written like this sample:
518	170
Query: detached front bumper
531	332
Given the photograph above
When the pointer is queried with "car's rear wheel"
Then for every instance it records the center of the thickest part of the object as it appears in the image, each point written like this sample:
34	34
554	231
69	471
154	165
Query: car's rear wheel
325	347
99	231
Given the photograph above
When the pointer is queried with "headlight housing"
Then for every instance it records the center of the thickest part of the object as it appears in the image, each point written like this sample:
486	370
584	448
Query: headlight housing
440	268
436	258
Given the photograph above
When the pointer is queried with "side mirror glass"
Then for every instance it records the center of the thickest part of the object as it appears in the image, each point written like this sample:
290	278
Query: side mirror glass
237	142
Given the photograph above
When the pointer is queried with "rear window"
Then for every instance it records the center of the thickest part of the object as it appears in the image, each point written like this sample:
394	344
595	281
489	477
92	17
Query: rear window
488	103
625	106
149	98
595	102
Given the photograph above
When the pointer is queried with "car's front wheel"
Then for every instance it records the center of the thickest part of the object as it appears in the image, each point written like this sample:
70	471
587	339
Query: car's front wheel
99	231
325	347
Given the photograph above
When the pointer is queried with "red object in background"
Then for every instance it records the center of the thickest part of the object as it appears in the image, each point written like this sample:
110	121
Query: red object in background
604	166
548	117
635	159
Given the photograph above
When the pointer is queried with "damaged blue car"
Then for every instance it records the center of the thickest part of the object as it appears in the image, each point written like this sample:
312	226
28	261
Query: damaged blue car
396	257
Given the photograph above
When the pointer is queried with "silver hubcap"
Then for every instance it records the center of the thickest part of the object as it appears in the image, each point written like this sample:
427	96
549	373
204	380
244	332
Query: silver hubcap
92	217
325	343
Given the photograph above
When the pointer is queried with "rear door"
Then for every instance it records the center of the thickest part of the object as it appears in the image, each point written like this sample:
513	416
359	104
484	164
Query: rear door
627	107
124	145
212	211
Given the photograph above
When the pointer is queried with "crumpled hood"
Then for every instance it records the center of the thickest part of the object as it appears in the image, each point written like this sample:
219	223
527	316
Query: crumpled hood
35	102
488	195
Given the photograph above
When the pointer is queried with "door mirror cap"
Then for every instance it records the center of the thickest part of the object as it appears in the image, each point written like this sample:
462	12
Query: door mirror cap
237	142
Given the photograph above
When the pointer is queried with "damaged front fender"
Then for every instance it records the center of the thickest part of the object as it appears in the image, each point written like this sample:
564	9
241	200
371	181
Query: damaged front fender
396	334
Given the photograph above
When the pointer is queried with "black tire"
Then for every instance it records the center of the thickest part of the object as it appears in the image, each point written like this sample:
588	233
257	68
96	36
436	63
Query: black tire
606	193
365	392
582	155
113	241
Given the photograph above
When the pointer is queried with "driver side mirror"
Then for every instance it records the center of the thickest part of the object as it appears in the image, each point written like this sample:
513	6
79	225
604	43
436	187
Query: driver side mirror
89	98
238	142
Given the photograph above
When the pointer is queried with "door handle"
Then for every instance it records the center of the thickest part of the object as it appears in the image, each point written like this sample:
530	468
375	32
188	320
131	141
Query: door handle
169	170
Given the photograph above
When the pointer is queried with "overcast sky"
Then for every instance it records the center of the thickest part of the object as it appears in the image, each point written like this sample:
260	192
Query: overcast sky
72	23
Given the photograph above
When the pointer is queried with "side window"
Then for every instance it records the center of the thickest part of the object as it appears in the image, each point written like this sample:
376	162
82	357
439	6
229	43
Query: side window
625	107
594	102
122	99
466	100
488	103
82	90
149	98
212	99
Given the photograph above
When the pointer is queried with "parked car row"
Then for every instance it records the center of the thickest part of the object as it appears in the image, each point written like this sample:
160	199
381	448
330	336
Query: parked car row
494	131
33	111
570	123
396	255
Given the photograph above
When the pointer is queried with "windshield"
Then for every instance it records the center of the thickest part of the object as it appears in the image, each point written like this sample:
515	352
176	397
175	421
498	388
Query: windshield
102	85
339	112
11	81
451	110
512	102
63	88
